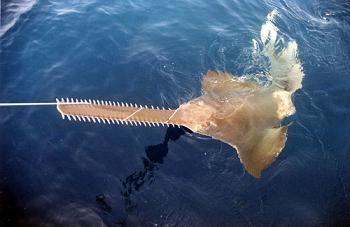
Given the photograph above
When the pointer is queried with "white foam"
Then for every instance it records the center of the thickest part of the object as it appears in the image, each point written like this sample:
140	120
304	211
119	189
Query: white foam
285	70
13	11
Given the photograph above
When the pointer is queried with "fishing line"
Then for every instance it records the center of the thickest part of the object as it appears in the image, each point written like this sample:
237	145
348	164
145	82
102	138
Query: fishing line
41	103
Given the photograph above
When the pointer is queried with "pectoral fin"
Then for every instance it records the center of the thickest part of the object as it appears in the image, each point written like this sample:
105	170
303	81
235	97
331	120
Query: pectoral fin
260	151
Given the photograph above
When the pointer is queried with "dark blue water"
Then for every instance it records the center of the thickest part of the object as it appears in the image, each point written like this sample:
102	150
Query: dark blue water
63	173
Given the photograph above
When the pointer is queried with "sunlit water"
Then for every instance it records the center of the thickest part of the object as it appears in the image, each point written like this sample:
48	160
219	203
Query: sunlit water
56	172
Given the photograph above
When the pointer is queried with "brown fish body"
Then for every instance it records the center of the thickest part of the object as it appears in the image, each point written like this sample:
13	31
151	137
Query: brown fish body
248	121
240	113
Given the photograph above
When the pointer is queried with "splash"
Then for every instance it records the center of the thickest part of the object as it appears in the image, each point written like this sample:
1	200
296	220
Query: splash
239	112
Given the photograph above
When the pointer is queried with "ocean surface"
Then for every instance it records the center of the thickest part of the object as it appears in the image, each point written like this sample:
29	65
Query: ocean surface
55	172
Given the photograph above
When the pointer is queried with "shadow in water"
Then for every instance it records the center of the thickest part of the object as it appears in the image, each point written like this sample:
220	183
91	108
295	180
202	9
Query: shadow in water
155	154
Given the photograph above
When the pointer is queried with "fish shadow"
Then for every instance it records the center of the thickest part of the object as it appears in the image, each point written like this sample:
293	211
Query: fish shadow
155	155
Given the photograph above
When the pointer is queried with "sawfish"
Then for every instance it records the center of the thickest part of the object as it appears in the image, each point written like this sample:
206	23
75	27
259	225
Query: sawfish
240	112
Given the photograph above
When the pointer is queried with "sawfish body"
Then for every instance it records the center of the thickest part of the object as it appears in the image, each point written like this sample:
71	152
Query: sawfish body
242	114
